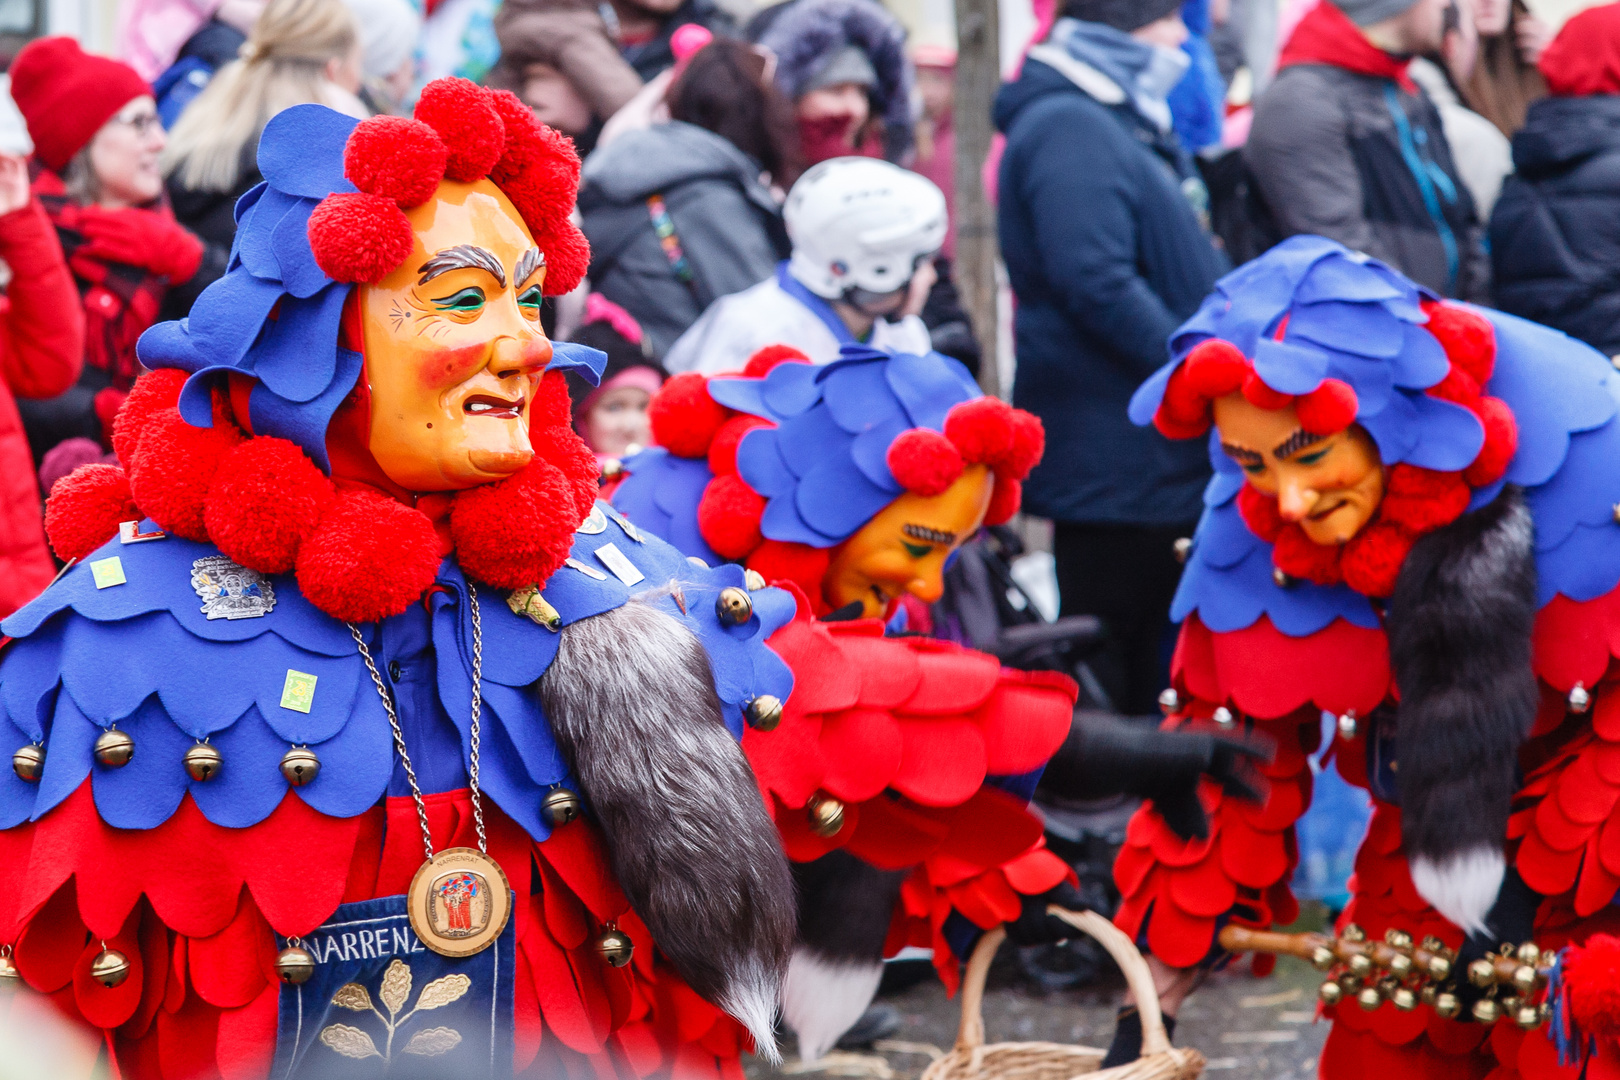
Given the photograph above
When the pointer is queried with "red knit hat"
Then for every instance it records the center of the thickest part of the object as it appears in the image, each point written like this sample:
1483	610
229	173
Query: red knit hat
66	94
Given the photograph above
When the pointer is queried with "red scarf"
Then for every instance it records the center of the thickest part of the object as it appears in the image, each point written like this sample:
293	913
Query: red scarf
1327	36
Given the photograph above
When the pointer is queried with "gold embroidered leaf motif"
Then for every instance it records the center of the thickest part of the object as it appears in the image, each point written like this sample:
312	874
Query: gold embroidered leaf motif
433	1042
396	986
352	996
442	992
351	1042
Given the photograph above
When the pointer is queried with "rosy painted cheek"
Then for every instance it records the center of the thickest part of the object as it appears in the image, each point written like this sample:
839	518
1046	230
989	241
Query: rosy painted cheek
441	366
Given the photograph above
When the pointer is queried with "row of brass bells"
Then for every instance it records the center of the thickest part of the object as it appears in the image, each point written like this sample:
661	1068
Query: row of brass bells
764	713
294	965
615	946
110	967
733	606
300	766
562	806
202	762
114	749
826	815
29	763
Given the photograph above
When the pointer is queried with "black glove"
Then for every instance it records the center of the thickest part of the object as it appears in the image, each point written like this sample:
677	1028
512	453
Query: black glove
1105	755
1035	927
1512	921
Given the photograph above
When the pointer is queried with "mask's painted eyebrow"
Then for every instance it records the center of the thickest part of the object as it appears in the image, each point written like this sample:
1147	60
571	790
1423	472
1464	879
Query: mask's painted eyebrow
932	536
1296	442
1242	454
463	257
531	260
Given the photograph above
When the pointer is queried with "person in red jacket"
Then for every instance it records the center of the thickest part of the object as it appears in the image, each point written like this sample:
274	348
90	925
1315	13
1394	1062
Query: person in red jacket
97	139
41	343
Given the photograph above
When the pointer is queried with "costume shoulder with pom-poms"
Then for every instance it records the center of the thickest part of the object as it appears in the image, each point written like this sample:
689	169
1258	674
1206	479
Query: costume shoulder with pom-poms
209	828
1488	570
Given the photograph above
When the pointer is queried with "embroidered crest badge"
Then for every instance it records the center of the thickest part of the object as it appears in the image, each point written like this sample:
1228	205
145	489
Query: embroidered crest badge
229	591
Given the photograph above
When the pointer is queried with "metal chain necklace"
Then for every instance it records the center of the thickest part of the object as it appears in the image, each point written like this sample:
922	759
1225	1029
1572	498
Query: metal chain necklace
459	900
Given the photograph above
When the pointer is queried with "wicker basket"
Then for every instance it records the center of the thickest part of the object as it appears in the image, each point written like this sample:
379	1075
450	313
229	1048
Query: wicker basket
971	1059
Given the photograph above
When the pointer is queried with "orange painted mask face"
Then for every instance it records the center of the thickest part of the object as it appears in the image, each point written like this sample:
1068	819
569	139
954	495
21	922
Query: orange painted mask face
453	345
1331	485
903	549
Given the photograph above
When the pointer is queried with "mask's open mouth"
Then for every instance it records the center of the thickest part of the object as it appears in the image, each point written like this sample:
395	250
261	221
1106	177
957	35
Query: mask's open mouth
493	407
1320	514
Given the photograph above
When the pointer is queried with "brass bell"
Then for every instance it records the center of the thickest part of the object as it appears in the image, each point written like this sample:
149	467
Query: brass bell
1183	548
1403	999
562	806
1223	717
1322	958
29	762
1397	939
1487	1011
754	580
1510	1005
1400	965
733	606
1548	958
1527	1017
1447	1006
611	468
1433	944
1429	994
300	766
114	748
202	762
1369	998
1361	964
1354	934
1330	993
1579	699
1482	973
109	968
697	562
764	713
826	815
1282	580
1169	702
615	947
1528	954
1348	727
8	967
1524	978
1349	983
294	965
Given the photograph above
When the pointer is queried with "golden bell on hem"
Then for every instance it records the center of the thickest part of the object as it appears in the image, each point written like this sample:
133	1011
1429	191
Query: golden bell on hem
1400	965
114	748
1447	1006
826	815
1169	702
1487	1011
1579	699
1527	1017
294	965
1369	998
109	968
29	763
764	713
1330	993
1439	968
1482	973
754	580
1403	999
1528	954
615	947
203	762
8	968
1354	933
562	806
1361	964
733	606
300	765
1322	958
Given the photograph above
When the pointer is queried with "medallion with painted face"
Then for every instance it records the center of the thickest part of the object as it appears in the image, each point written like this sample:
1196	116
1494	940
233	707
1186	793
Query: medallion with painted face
1330	485
453	344
904	547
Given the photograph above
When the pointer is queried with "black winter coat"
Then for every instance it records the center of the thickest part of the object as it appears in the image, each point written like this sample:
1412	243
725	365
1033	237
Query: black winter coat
1555	233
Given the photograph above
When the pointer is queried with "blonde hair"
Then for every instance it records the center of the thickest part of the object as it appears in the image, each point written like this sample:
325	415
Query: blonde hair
281	64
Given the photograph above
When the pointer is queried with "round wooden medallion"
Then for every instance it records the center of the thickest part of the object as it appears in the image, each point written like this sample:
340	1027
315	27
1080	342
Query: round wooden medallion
459	902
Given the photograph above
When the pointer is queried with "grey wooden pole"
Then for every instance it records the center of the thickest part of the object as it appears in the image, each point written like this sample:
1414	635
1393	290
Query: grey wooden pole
978	74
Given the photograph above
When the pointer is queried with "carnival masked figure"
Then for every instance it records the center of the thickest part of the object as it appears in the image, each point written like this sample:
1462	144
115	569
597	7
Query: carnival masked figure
1411	527
360	730
901	768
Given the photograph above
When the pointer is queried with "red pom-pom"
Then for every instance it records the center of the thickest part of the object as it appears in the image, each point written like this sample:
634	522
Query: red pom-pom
1457	386
1298	556
1215	368
1261	396
1172	428
396	158
684	418
924	461
723	450
982	430
552	406
465	118
266	500
1372	561
85	509
516	532
760	364
1004	501
1260	513
370	557
1592	973
728	517
1183	412
174	466
152	393
1421	500
805	566
1028	444
562	446
1469	339
358	237
568	256
1329	408
1501	442
539	170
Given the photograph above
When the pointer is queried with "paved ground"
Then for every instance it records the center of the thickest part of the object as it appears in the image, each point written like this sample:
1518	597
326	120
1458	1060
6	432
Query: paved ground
1249	1028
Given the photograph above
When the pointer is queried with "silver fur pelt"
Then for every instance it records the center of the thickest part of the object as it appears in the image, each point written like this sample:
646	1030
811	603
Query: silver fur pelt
631	701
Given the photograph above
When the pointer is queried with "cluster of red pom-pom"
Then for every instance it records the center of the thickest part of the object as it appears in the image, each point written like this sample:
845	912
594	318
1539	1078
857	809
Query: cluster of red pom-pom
1591	974
359	555
1416	500
460	132
689	423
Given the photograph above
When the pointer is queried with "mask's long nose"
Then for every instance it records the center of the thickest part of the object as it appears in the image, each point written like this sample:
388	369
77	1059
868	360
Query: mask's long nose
518	356
1295	500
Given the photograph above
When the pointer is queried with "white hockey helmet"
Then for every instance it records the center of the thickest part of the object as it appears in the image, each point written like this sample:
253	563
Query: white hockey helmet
861	223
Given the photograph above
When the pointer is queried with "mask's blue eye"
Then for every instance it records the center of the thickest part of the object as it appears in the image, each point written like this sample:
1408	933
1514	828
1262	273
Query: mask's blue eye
467	300
1313	457
1254	468
531	297
918	551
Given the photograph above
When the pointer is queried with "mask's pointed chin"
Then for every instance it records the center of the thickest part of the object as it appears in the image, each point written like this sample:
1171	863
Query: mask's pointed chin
500	462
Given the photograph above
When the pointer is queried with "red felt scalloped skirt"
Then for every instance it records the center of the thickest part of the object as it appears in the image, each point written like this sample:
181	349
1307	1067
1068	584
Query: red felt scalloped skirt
196	909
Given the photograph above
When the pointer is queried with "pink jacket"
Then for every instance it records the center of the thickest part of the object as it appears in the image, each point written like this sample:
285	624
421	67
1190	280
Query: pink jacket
150	32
